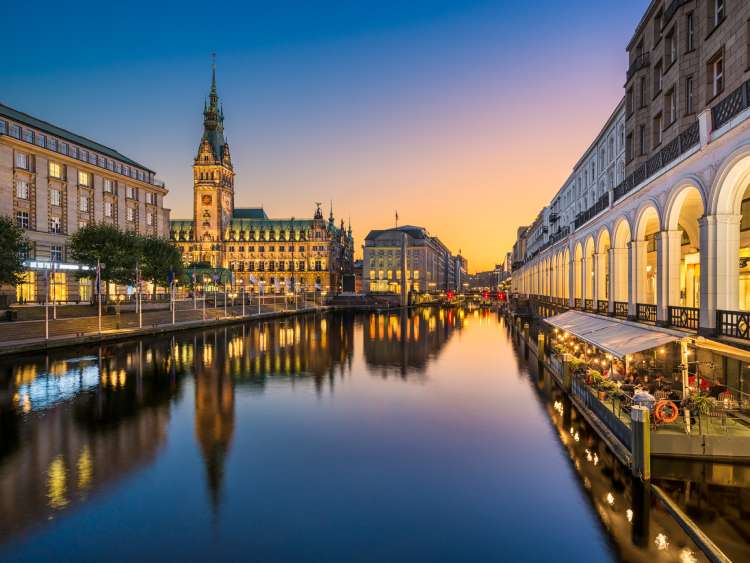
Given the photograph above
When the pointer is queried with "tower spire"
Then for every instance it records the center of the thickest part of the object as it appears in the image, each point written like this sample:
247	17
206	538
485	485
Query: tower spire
213	74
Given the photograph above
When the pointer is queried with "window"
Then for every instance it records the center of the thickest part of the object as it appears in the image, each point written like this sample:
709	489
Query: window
642	139
670	47
657	129
56	253
83	155
108	209
149	219
54	197
73	151
84	178
15	131
40	140
64	148
670	106
130	214
107	186
55	226
629	101
22	219
657	26
644	88
52	144
689	95
82	224
28	136
657	78
719	12
55	169
83	204
22	160
690	31
747	41
130	192
716	74
22	189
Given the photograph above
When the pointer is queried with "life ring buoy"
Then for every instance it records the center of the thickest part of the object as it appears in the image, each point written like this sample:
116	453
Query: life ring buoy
660	414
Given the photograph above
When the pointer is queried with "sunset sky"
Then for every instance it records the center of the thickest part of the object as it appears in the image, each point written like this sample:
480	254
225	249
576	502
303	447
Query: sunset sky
464	116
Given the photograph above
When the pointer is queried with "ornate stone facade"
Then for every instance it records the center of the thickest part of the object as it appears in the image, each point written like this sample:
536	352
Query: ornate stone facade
277	254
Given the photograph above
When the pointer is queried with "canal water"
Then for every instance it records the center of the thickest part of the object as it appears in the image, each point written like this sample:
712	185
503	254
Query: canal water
344	437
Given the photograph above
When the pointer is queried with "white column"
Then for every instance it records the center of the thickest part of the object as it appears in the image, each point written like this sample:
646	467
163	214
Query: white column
571	280
612	273
636	259
668	256
719	258
595	278
603	271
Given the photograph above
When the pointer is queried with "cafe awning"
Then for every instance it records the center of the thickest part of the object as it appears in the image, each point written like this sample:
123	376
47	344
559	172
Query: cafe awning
614	336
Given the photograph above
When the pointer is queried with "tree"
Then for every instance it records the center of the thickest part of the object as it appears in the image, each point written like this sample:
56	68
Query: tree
159	259
115	250
13	248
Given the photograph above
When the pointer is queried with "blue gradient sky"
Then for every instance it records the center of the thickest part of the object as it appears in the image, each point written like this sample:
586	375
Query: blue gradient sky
464	116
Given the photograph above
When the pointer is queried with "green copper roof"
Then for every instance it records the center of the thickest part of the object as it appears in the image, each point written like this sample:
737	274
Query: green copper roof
249	213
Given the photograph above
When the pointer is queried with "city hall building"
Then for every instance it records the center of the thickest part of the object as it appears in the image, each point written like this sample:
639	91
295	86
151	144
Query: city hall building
52	182
278	255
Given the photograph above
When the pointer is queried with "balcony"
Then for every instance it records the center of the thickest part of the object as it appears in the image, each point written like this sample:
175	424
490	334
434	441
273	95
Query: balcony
640	61
585	216
734	104
685	141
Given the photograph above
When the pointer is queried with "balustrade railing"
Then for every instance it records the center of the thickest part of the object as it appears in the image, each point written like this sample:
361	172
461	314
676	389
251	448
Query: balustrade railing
733	323
588	305
601	204
684	317
646	312
621	309
578	303
640	61
602	306
685	141
730	106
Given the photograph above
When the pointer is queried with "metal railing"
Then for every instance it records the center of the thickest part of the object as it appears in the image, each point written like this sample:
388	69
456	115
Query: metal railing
731	105
640	61
621	309
684	317
588	305
685	141
645	312
733	323
602	306
578	303
585	216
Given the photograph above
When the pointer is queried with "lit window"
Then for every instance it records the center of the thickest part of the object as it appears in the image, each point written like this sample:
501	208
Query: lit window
22	189
130	192
107	186
84	178
55	169
55	226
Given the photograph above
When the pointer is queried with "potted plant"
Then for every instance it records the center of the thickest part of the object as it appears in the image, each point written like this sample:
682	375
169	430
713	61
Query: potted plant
701	404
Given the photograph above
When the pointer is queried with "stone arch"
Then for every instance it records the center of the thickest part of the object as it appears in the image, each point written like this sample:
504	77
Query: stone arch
603	245
589	250
730	183
645	265
683	214
577	271
620	252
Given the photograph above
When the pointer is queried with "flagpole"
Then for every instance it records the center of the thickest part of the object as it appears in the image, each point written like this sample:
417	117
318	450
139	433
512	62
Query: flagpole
46	308
139	304
174	305
243	299
54	293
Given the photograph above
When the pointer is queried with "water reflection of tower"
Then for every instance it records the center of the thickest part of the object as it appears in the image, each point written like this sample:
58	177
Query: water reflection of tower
214	408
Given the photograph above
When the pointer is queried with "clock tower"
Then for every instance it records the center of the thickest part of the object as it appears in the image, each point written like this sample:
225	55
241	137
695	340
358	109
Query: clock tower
213	180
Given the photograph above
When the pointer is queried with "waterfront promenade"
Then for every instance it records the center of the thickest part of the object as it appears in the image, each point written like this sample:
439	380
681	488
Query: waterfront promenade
23	336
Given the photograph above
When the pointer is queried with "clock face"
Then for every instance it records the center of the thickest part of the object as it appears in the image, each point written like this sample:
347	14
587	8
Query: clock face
206	200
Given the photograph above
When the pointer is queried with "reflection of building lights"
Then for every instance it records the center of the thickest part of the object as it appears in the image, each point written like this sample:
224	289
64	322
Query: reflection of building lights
629	515
57	484
596	460
610	499
661	542
85	468
687	556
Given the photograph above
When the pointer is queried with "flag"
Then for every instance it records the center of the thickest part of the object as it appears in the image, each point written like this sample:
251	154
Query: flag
98	278
397	217
170	277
